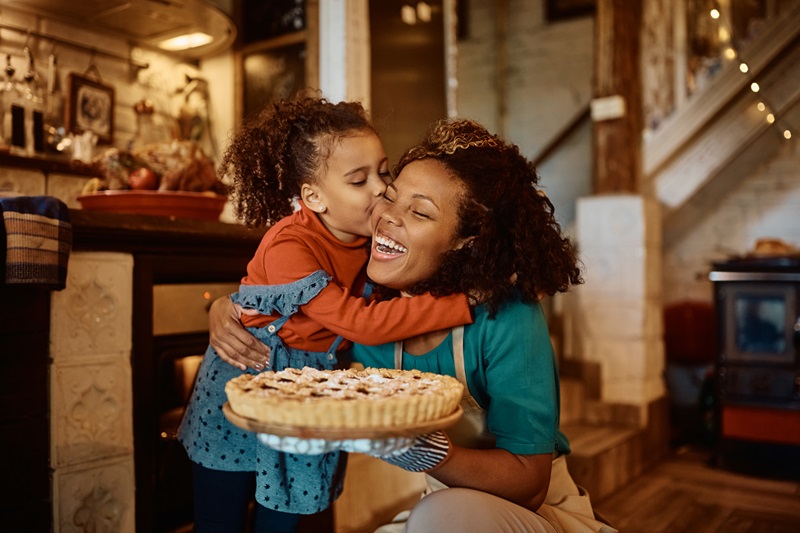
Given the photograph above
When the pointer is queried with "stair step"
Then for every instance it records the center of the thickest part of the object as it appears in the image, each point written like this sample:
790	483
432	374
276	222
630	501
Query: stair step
573	400
604	457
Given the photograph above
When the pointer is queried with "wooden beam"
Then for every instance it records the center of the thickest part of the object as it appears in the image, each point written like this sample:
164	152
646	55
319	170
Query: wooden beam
617	142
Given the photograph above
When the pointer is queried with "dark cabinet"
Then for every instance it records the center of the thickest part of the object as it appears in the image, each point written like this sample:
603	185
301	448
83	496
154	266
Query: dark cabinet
25	501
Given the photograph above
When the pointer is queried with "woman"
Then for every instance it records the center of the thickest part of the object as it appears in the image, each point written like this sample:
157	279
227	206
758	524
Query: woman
330	157
464	215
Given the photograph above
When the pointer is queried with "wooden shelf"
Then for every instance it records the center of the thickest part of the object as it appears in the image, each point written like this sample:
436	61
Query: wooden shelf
47	164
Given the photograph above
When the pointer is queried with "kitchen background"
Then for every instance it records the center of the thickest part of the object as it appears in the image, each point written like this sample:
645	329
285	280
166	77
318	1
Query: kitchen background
546	85
720	162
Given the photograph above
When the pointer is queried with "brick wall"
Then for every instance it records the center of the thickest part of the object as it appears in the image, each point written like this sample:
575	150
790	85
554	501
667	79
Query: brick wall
548	82
765	204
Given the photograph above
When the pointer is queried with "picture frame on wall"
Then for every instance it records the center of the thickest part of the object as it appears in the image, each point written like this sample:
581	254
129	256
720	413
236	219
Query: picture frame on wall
565	9
90	107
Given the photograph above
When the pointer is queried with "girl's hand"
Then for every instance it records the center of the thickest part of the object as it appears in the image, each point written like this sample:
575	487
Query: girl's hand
234	344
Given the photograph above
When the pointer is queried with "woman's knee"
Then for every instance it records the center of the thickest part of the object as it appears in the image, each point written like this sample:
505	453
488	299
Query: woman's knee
438	511
467	510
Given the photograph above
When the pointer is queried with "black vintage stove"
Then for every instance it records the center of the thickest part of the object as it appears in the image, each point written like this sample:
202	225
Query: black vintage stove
757	304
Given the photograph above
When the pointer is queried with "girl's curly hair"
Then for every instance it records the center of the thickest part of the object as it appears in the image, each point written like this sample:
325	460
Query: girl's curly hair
516	244
283	147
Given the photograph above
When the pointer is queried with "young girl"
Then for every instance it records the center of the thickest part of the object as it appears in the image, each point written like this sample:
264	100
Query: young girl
302	289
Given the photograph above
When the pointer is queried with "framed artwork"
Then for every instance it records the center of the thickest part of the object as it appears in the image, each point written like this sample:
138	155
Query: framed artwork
90	107
564	9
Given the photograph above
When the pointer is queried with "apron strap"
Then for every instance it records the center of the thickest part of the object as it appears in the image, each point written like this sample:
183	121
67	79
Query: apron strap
458	354
398	355
458	360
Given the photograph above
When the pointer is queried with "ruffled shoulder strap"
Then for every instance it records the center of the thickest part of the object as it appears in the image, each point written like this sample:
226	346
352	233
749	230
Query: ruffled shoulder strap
284	299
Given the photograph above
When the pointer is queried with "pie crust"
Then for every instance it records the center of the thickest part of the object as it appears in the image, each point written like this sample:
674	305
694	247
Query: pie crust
368	398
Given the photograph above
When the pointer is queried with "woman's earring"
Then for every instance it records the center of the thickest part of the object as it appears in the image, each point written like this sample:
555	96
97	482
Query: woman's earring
321	209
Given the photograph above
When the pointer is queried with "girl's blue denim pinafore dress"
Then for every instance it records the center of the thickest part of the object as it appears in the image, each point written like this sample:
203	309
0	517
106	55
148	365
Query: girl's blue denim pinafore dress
300	484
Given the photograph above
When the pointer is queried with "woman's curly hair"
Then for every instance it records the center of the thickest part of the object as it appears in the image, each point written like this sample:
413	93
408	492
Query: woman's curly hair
516	244
283	147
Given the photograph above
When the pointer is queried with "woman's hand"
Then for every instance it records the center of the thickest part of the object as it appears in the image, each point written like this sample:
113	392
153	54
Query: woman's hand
234	344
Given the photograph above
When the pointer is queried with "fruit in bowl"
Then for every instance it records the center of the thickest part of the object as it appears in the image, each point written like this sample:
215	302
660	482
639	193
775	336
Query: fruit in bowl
169	166
143	179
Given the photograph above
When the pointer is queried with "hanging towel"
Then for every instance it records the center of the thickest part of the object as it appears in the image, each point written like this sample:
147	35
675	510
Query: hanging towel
35	241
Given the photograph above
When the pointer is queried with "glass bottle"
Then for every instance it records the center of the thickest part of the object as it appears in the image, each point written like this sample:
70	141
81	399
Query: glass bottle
13	112
54	129
34	110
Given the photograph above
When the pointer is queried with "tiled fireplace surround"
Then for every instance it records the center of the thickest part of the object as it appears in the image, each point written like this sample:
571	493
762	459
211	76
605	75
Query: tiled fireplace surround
102	390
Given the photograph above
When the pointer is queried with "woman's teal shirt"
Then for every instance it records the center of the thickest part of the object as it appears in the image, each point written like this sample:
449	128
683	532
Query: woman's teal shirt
511	372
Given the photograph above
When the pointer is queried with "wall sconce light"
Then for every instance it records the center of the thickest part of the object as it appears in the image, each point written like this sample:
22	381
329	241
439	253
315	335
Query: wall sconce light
411	14
424	11
408	14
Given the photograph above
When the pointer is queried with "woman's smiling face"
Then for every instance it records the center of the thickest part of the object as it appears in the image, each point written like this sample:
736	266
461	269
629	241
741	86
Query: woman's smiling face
415	224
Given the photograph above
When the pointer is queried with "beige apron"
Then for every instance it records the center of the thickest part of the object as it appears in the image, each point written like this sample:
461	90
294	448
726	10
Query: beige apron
566	507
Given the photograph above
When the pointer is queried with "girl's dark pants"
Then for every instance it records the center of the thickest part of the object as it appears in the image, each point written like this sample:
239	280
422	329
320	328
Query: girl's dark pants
221	501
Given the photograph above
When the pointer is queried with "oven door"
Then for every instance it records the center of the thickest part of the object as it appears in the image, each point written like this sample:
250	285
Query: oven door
180	328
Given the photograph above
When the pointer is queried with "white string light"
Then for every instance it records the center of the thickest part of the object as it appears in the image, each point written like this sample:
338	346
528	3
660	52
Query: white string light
731	53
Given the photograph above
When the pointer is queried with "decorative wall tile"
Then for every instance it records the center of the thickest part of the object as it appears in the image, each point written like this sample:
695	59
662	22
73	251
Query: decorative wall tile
91	412
95	499
764	204
92	315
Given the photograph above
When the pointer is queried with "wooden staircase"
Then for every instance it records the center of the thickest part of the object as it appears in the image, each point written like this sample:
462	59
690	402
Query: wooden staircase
611	444
703	149
719	136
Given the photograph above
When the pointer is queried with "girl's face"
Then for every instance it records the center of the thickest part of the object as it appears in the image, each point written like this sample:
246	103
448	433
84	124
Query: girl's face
415	224
349	186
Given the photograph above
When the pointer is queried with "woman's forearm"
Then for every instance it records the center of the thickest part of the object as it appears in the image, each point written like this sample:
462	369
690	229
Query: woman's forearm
234	344
522	479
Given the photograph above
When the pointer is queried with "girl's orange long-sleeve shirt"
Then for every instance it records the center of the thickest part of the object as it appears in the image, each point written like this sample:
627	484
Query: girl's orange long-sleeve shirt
299	245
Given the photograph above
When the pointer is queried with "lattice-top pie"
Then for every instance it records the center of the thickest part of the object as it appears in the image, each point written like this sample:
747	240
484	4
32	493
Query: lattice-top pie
368	398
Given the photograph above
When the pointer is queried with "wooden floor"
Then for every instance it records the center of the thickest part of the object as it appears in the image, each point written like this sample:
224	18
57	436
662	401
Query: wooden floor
685	493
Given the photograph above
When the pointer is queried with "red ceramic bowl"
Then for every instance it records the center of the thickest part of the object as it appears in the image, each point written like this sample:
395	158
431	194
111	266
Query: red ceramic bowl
177	204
